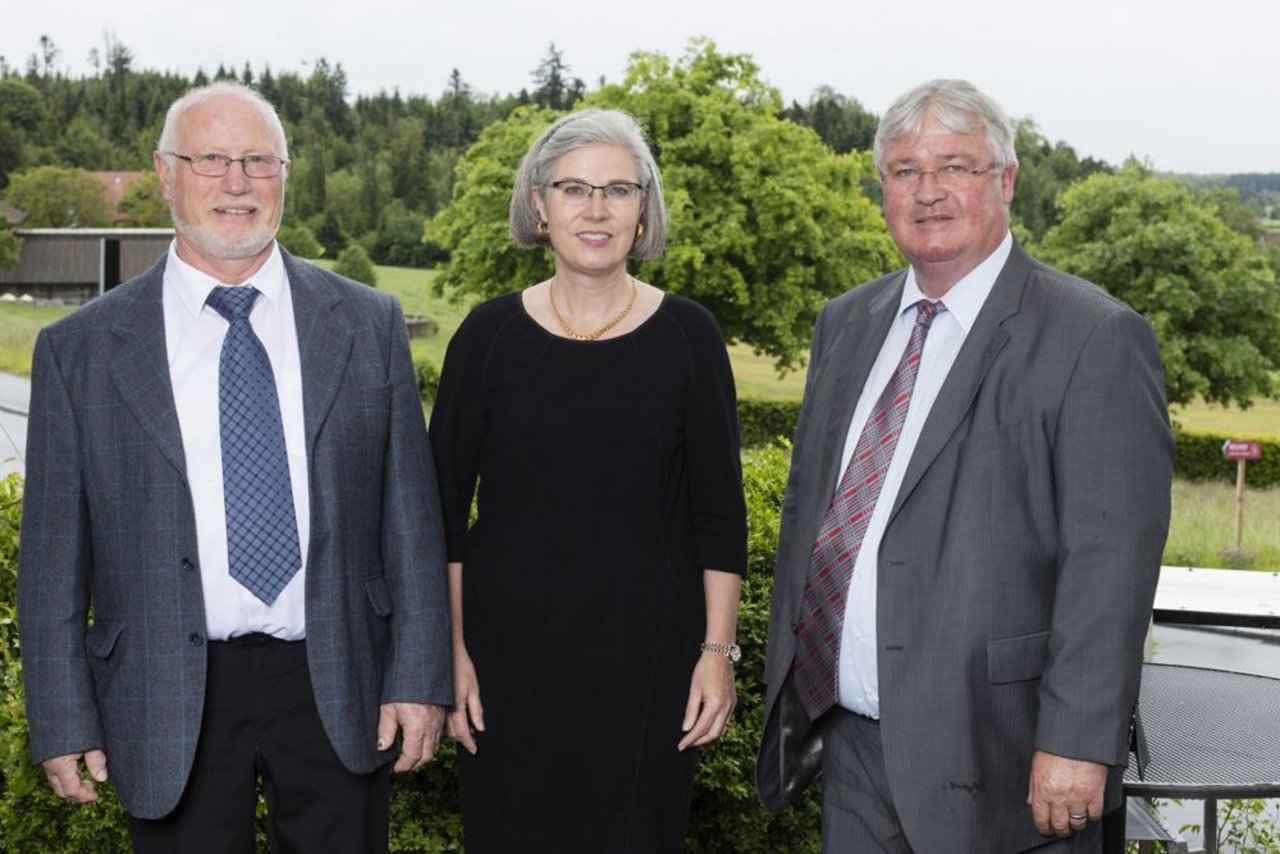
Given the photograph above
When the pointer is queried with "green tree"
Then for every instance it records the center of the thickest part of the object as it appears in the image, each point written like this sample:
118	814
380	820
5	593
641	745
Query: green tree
354	263
56	197
299	240
82	145
10	152
10	249
841	121
144	203
22	105
766	222
1208	291
1044	171
553	86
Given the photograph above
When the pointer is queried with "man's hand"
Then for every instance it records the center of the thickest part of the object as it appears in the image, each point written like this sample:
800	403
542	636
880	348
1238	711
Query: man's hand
65	778
419	725
1062	788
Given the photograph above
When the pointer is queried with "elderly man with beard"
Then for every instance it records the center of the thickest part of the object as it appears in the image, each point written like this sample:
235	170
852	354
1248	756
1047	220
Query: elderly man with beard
232	564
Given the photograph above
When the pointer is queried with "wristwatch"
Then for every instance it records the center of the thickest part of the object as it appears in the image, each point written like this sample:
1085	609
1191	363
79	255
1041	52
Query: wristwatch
731	651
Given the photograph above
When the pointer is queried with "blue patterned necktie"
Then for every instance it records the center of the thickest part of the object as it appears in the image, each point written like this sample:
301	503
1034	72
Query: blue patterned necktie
262	531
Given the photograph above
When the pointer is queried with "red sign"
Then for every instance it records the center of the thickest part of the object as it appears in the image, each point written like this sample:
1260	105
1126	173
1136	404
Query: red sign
1237	450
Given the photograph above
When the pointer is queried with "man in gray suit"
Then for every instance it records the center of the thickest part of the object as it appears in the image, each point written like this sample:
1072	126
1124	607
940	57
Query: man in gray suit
232	561
973	525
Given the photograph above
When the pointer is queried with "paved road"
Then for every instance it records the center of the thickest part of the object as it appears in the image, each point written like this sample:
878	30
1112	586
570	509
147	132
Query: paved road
15	392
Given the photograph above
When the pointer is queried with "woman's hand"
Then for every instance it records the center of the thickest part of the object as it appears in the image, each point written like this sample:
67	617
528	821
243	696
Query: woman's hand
467	716
711	700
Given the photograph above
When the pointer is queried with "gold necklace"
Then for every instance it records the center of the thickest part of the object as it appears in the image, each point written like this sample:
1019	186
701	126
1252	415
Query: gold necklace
590	336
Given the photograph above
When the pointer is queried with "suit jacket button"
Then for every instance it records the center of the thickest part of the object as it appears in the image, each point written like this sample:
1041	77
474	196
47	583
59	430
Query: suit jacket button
187	565
195	639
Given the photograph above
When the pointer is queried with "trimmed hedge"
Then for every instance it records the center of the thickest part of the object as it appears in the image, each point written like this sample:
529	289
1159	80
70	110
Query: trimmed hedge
1199	457
762	421
425	806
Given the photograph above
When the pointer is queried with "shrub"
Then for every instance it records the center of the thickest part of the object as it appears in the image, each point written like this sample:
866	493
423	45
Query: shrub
428	379
354	263
762	421
299	240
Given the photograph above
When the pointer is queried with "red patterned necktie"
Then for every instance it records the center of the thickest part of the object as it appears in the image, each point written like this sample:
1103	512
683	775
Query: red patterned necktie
835	550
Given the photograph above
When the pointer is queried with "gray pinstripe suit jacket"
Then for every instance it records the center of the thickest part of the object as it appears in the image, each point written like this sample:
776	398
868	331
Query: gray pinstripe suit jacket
1017	572
108	530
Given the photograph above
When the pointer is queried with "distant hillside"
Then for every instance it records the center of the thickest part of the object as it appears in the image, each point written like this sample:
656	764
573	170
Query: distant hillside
1258	190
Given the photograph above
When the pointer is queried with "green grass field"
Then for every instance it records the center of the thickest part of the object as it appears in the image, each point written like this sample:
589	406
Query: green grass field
1204	524
19	324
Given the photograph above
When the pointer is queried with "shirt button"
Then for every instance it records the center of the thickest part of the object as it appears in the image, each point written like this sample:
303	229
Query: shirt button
187	565
195	639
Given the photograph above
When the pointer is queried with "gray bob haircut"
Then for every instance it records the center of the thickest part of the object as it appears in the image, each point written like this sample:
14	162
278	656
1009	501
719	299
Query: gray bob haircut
195	97
578	130
959	106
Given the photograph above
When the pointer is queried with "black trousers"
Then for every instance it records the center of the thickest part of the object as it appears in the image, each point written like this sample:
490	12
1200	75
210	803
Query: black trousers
260	722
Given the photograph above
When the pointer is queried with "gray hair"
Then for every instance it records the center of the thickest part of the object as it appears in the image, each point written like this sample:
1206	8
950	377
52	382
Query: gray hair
578	130
195	97
959	106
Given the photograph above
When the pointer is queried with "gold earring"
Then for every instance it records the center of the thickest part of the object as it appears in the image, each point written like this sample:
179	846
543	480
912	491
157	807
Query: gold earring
639	230
541	228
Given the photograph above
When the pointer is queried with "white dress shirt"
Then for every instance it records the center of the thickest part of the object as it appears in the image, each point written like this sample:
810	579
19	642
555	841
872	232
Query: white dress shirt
857	677
193	339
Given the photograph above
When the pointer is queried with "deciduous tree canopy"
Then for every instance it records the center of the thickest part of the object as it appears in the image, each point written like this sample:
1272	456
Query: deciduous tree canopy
54	197
766	222
1207	290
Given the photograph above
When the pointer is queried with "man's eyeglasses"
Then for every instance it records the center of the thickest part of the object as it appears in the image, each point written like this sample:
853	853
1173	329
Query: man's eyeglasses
617	194
217	165
953	176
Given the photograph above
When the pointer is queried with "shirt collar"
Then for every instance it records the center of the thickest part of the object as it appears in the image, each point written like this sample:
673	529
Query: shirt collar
192	287
966	296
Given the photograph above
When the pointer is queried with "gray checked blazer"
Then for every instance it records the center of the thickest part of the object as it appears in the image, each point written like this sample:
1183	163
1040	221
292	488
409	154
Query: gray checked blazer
110	605
1017	572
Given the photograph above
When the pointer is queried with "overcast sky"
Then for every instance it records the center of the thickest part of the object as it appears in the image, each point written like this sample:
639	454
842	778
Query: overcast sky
1191	87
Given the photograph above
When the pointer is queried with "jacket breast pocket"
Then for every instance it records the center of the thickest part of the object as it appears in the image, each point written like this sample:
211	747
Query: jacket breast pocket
1017	659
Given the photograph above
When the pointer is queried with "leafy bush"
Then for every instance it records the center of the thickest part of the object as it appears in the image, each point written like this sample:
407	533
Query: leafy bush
354	263
299	240
428	379
762	421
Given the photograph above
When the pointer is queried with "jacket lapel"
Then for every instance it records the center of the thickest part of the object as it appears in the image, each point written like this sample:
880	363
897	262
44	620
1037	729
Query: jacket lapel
851	358
977	354
324	342
140	368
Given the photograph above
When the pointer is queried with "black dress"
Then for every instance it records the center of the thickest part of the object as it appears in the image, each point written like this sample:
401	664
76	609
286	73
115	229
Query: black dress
609	478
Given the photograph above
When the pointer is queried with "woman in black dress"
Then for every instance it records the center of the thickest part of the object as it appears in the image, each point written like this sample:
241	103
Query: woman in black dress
595	598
